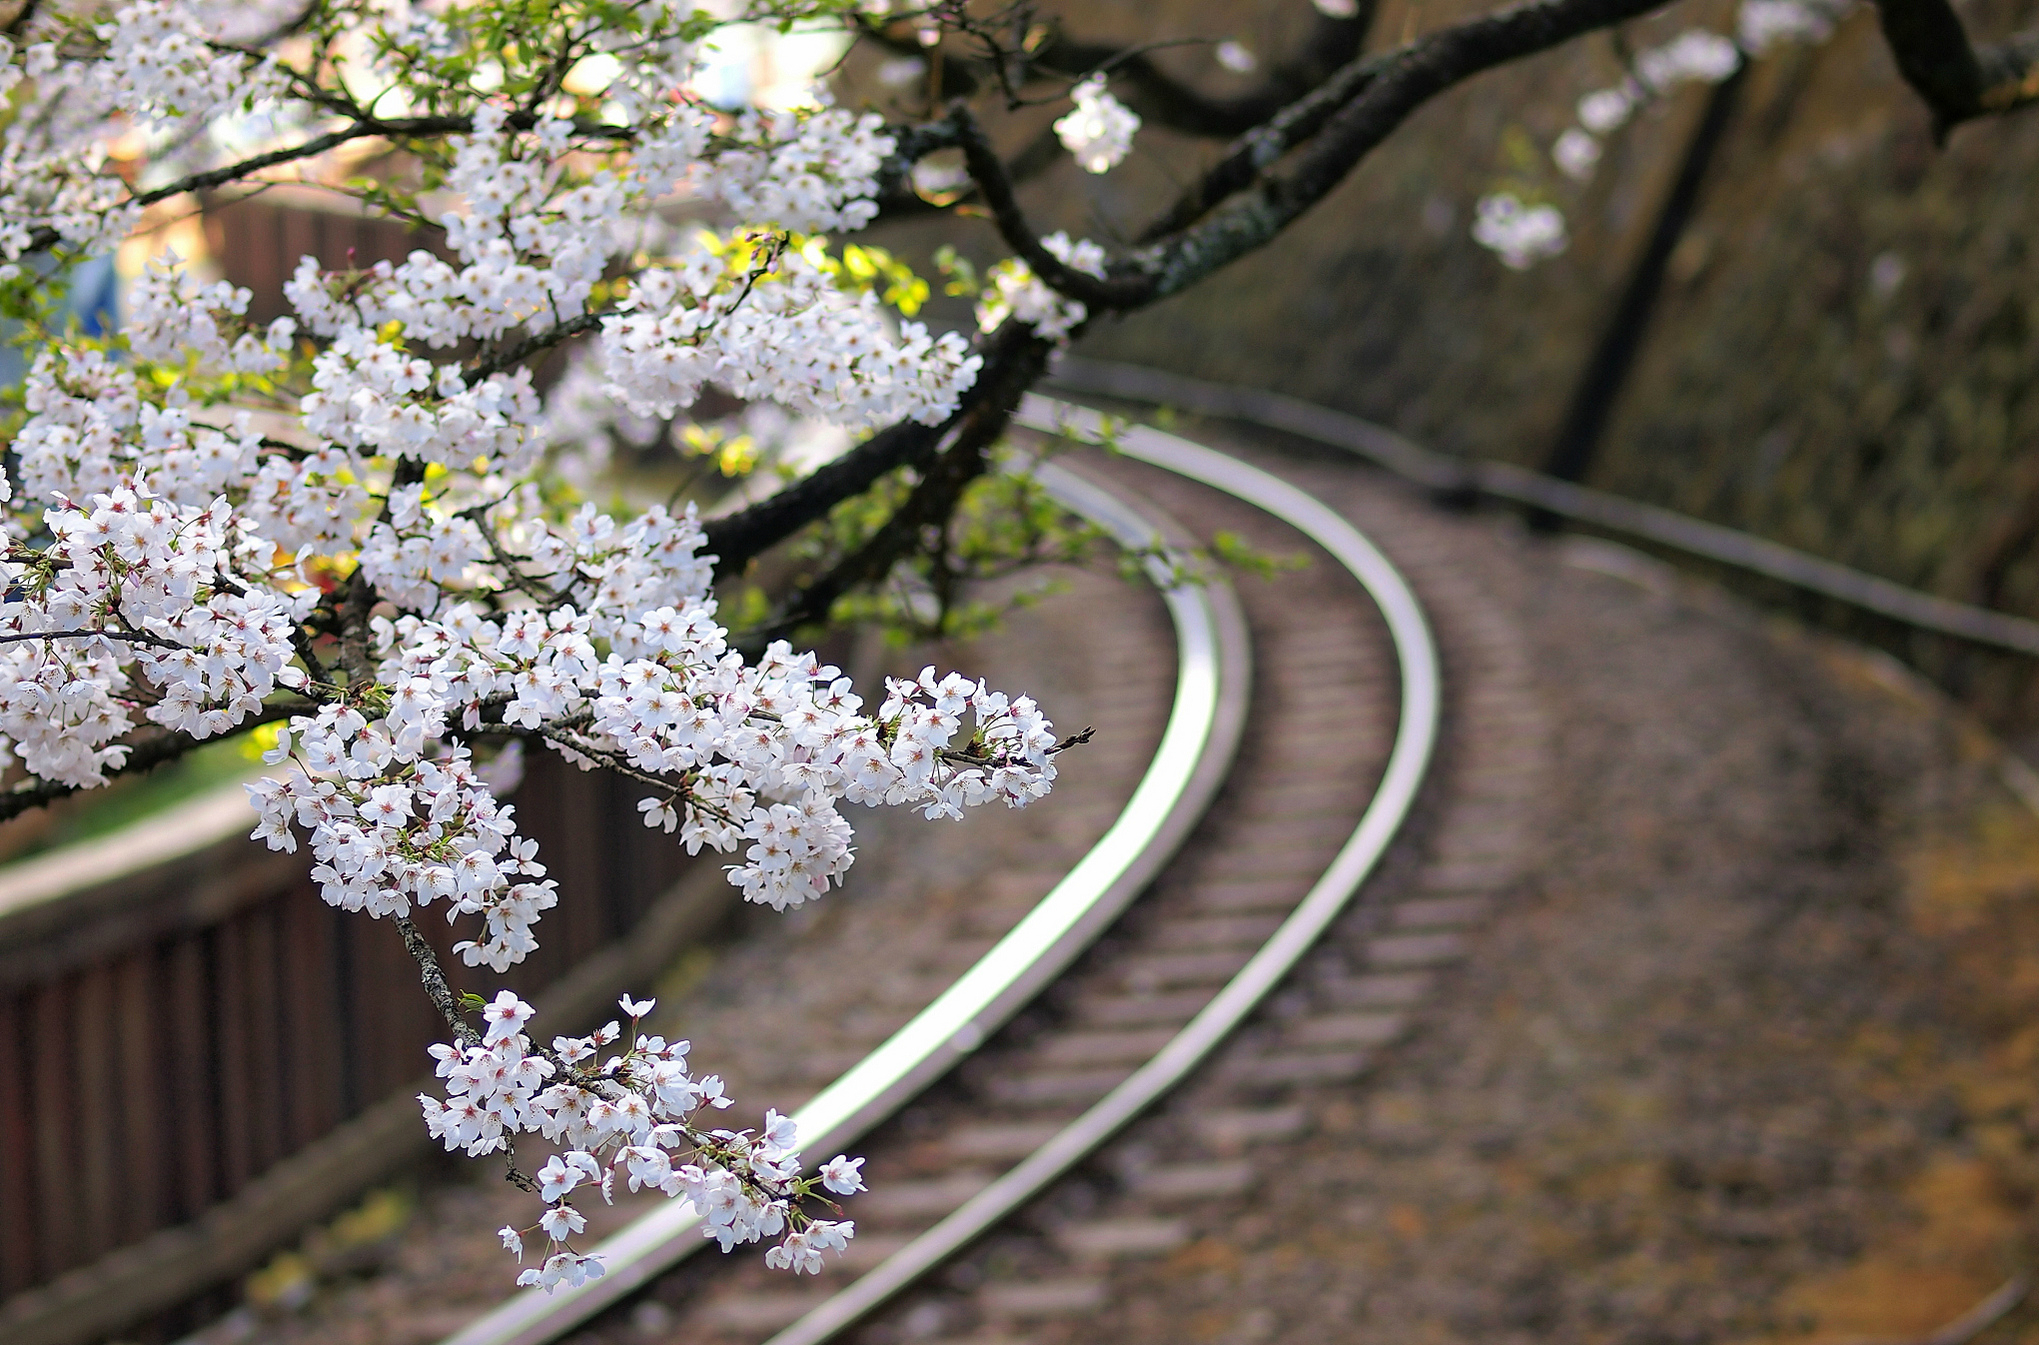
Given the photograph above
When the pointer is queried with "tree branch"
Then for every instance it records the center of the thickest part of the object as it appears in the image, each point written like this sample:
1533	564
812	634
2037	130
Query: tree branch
545	340
140	637
143	756
987	170
43	237
1407	78
932	500
911	144
308	149
740	538
1381	93
1346	118
1246	158
897	199
1957	80
1012	354
433	977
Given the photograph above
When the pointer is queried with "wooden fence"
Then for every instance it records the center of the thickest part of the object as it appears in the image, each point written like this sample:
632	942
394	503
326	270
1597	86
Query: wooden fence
170	1037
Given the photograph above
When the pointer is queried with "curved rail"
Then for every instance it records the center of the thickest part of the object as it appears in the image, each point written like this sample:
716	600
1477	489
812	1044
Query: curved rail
1505	481
1212	684
1408	761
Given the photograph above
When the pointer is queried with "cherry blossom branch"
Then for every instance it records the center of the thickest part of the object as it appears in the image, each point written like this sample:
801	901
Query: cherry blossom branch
1010	354
43	237
123	635
411	127
1248	157
929	506
737	539
1157	95
514	576
1333	128
563	736
554	335
933	499
433	977
143	756
218	534
996	188
1294	101
1958	80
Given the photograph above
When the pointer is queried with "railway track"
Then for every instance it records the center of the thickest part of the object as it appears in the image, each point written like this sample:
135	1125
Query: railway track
1338	735
1127	1239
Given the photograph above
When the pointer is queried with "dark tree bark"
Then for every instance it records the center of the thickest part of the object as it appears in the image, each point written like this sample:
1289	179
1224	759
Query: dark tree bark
1958	80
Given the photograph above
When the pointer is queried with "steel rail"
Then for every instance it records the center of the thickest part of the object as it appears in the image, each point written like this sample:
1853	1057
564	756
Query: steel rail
1415	740
1505	481
1213	676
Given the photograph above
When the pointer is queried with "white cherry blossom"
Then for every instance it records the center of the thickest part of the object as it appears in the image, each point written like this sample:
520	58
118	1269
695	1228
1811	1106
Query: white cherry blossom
1016	292
1520	234
1099	130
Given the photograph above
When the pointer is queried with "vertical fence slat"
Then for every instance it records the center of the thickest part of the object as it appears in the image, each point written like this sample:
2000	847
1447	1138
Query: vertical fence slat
158	1078
17	1172
263	1020
375	1007
580	839
230	1034
95	1144
295	236
306	1019
50	1041
351	1083
145	1135
190	1088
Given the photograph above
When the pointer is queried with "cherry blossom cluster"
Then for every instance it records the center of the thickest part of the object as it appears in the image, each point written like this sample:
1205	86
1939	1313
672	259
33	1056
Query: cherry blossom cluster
1016	292
346	524
1520	233
747	755
1099	130
134	605
811	174
158	68
391	828
173	317
787	335
162	64
585	426
1523	233
1694	56
372	395
628	1116
529	248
